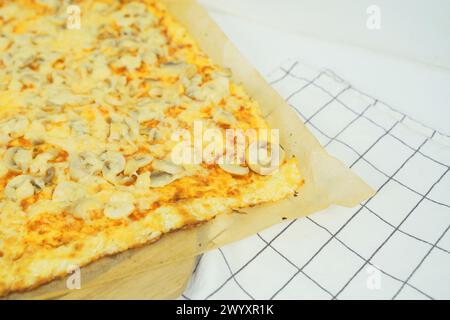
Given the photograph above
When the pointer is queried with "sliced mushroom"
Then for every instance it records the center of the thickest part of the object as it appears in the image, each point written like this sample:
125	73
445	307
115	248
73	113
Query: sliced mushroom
35	131
120	205
15	127
160	179
20	187
264	157
84	165
167	166
212	91
60	97
112	100
137	162
143	181
134	13
154	92
149	57
100	70
128	43
49	176
133	127
68	191
144	102
80	127
145	114
165	172
127	129
30	79
176	68
113	164
234	169
84	208
17	159
40	162
151	133
38	183
4	43
130	62
224	117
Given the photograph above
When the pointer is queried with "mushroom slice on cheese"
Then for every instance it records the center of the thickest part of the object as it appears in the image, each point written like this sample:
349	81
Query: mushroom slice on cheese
264	157
234	169
112	100
21	187
120	205
17	159
130	62
15	127
85	207
167	166
165	173
212	91
224	117
50	174
84	165
39	165
68	191
160	179
113	164
143	182
137	162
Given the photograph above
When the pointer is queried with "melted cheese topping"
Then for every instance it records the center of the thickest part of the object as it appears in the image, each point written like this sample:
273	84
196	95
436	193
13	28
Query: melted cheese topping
86	119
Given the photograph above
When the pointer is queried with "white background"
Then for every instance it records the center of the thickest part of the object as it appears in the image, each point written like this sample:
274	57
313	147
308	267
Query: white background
406	63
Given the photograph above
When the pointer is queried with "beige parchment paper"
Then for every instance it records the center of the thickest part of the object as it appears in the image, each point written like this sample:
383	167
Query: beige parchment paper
162	269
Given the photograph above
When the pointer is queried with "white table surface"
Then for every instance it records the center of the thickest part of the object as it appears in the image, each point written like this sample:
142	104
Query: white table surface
420	90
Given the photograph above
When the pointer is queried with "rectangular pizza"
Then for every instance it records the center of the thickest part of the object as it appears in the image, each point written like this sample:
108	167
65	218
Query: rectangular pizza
115	129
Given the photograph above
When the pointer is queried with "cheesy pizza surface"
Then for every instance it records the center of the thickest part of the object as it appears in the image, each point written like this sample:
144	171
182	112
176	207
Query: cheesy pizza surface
91	94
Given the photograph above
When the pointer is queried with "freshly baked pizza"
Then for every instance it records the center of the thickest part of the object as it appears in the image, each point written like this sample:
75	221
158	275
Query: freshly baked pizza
115	129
